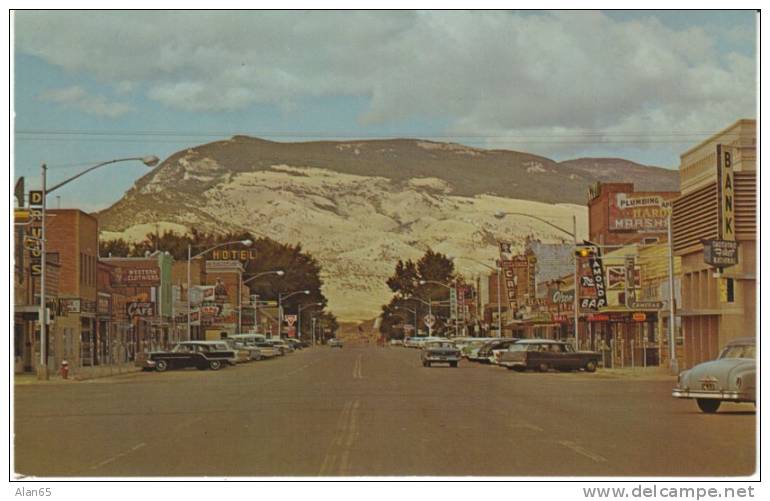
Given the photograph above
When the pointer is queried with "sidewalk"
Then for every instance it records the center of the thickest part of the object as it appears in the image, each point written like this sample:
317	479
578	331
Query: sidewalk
650	373
79	374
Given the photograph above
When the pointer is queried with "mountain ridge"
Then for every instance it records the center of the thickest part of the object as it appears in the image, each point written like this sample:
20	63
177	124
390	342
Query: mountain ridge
359	206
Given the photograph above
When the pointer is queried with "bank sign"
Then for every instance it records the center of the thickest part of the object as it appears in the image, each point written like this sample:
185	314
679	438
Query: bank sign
720	253
630	212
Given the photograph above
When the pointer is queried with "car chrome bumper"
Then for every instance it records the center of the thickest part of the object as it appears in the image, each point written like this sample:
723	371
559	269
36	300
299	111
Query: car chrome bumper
713	395
149	364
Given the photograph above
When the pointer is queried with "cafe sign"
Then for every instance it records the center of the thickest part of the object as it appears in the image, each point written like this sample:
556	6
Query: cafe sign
140	309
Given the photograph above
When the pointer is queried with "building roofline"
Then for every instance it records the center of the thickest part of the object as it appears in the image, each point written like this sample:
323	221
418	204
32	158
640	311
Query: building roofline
742	121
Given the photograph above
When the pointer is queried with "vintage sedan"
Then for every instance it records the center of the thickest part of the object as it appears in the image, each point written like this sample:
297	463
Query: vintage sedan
484	353
440	352
546	354
244	344
268	350
199	354
729	378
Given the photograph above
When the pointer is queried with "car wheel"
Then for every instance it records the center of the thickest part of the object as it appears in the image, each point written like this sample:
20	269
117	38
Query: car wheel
543	367
453	364
427	364
590	366
161	366
215	365
518	368
708	405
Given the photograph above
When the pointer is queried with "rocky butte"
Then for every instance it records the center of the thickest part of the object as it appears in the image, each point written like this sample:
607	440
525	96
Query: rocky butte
359	206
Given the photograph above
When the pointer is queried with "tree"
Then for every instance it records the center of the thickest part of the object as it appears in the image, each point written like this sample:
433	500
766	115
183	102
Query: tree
114	248
405	283
404	279
301	270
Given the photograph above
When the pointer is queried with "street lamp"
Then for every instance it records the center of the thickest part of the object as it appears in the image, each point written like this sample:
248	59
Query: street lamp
430	313
149	161
244	282
499	294
299	316
573	234
397	307
457	323
281	297
190	257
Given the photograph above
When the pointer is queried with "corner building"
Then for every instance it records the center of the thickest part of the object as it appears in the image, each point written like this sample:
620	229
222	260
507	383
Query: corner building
716	306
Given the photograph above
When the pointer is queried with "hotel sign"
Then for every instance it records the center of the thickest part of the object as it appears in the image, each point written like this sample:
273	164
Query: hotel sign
233	255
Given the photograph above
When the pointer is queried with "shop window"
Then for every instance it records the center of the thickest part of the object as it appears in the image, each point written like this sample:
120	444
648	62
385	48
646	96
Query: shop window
730	290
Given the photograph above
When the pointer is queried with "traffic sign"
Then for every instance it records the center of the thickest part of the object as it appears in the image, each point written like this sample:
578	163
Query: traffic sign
429	320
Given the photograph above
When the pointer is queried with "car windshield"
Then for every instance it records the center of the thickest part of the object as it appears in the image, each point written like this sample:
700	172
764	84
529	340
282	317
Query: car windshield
439	344
739	351
517	347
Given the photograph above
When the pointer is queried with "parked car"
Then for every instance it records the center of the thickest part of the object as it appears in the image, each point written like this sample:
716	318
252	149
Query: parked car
334	343
199	354
441	352
420	342
282	345
247	343
294	343
729	378
484	354
268	350
545	354
396	342
471	350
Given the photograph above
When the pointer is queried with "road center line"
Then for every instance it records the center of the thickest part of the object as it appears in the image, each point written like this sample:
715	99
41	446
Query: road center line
582	451
118	456
357	373
327	465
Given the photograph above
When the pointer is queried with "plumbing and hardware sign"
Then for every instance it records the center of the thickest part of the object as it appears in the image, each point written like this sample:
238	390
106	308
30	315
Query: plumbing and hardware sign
630	212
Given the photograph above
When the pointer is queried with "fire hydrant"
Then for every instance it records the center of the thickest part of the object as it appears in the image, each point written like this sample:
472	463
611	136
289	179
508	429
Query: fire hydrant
65	369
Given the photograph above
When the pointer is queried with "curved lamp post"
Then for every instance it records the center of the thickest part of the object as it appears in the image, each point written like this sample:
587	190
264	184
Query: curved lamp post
499	293
299	316
409	310
457	324
280	273
149	161
190	257
573	234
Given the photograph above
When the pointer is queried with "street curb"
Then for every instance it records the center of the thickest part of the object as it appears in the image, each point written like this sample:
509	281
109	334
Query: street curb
25	379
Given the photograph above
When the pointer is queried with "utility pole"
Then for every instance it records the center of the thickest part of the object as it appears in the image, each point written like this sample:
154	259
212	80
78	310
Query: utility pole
671	306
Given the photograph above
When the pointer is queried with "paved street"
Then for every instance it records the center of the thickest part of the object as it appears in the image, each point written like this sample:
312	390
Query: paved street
373	411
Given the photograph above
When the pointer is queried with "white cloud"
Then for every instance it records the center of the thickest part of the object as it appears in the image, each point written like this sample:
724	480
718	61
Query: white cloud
494	73
76	97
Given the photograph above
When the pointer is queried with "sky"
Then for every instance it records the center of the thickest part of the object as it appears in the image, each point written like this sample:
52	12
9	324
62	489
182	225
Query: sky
93	86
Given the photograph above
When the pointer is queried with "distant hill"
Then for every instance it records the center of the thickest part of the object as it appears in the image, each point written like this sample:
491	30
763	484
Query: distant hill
359	206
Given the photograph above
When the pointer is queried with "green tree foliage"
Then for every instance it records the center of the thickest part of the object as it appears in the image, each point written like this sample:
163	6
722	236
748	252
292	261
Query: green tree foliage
114	248
301	270
405	283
